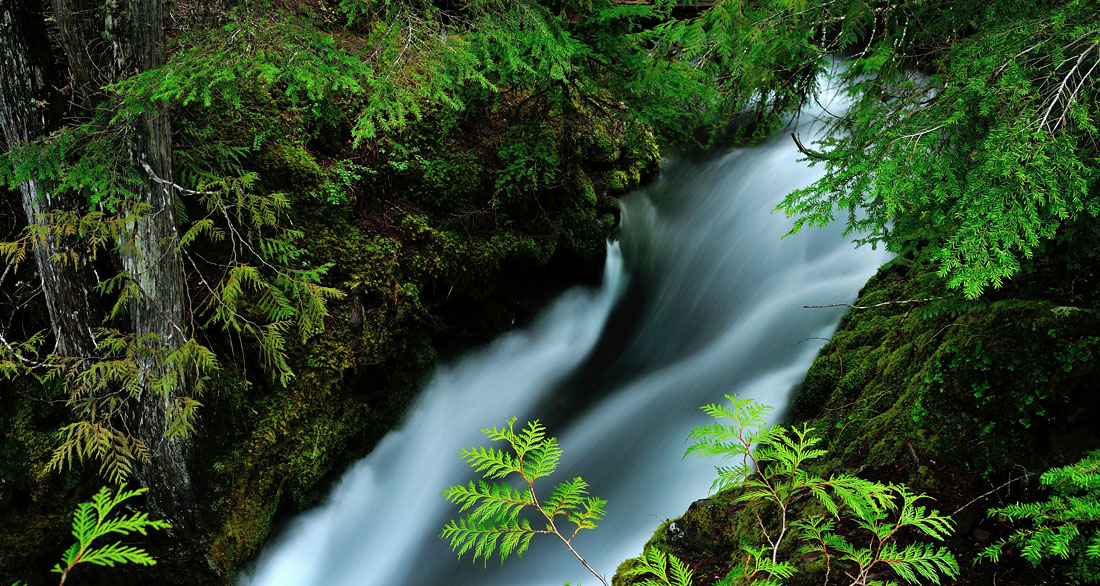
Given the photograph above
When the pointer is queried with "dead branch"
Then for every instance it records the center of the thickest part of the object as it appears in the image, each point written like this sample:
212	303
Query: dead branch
884	303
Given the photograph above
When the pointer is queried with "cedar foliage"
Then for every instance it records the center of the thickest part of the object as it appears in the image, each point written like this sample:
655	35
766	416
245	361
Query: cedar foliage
93	520
661	569
860	528
494	525
770	472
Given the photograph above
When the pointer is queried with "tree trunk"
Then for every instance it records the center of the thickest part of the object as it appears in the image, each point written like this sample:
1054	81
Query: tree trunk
26	75
104	41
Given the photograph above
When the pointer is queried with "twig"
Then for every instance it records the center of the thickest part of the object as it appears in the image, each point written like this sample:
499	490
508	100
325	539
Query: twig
152	175
980	497
23	359
1056	98
849	305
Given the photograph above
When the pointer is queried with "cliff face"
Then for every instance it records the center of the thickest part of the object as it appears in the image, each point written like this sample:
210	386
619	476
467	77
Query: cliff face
964	401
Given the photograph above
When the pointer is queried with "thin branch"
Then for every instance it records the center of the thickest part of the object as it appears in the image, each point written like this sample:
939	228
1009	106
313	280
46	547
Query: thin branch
1073	96
982	496
1056	97
152	175
25	360
850	306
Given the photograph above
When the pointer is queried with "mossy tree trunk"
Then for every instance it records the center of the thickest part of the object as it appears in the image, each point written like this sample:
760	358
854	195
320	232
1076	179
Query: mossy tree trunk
105	41
26	79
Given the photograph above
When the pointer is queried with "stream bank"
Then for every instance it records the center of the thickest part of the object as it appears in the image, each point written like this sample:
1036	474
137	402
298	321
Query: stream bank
966	401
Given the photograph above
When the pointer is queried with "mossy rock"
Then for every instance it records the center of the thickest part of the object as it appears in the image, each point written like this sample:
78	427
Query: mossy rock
705	536
987	384
290	166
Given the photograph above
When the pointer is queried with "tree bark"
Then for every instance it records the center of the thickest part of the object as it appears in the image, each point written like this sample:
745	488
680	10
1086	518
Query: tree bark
106	40
26	76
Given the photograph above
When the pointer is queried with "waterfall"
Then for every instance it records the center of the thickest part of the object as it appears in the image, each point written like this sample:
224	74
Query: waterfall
701	297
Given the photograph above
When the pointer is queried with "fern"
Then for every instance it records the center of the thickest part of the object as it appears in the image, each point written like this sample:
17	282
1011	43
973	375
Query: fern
116	451
772	473
493	526
92	521
660	569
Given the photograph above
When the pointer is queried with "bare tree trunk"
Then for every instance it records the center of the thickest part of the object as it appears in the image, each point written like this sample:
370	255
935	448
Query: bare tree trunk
106	40
25	77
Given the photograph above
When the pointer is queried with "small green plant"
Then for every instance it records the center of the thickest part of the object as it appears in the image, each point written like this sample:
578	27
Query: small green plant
769	469
92	520
494	526
1066	526
661	569
339	180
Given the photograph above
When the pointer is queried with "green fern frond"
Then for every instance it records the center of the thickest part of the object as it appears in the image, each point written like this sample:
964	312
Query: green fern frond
92	520
513	536
493	524
920	561
660	569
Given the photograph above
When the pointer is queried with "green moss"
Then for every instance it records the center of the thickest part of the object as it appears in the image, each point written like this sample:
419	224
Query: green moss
707	536
291	166
999	376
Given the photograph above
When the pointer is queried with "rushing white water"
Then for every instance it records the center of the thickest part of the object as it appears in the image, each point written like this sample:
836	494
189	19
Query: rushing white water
712	305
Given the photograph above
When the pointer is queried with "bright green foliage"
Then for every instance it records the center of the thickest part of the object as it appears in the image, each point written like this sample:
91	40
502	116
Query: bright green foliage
1065	527
986	155
93	520
339	179
494	526
772	474
756	567
912	563
661	569
223	67
79	161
